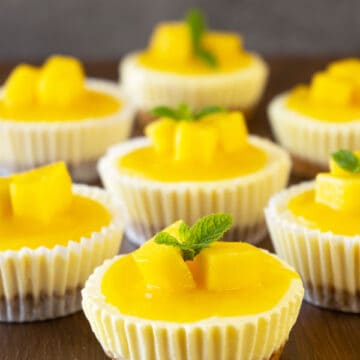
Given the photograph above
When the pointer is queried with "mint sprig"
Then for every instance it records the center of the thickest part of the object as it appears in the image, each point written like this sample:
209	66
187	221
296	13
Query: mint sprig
347	160
183	112
197	25
193	239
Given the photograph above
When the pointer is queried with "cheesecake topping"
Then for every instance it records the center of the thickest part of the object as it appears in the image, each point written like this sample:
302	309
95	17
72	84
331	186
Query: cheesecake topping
333	95
56	91
38	208
187	47
223	279
210	144
334	203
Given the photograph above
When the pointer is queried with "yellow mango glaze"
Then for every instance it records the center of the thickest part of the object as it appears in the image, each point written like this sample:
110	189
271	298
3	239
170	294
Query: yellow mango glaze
84	217
319	216
194	66
145	162
90	105
124	288
300	101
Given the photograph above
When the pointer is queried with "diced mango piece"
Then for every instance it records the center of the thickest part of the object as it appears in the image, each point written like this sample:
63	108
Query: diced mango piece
171	41
195	142
331	90
335	169
338	192
227	266
162	134
61	82
349	70
224	45
5	203
162	266
41	193
231	128
20	86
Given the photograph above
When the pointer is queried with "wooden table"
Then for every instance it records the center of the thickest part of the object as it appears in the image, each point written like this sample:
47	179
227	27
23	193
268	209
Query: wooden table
318	334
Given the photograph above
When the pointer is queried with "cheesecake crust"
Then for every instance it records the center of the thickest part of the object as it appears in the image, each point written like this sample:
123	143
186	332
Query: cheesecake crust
30	308
330	298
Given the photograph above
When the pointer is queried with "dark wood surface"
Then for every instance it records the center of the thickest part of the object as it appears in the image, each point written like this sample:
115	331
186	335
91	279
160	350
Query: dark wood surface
318	334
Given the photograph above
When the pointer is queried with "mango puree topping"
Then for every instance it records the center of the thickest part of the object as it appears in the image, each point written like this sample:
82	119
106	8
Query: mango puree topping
38	208
334	204
171	50
214	147
54	92
332	96
226	279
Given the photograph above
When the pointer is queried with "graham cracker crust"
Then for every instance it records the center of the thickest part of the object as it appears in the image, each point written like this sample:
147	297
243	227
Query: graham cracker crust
29	308
138	233
331	298
307	168
274	356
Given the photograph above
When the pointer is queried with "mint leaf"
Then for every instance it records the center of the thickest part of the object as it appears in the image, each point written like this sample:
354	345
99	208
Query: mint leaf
197	25
196	22
193	239
207	111
184	232
207	57
347	160
210	228
184	112
164	111
165	238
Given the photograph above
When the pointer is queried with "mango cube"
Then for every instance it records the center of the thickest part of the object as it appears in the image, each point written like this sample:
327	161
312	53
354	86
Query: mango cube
335	169
338	192
41	193
347	69
331	90
171	41
162	134
195	142
20	87
61	82
231	128
227	266
5	203
224	45
162	266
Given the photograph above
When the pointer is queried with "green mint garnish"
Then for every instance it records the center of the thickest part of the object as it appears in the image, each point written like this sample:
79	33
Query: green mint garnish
193	239
197	24
347	160
183	112
207	111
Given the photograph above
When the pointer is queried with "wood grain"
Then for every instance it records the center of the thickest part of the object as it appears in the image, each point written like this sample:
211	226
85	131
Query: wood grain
318	334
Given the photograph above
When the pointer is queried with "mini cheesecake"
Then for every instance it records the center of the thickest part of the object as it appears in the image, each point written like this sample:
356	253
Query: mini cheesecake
173	69
315	227
231	301
189	168
52	113
52	235
312	121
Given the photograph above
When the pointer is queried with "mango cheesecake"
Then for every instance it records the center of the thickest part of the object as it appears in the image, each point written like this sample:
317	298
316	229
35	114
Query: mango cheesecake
312	121
187	63
315	227
185	295
191	164
52	235
54	112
